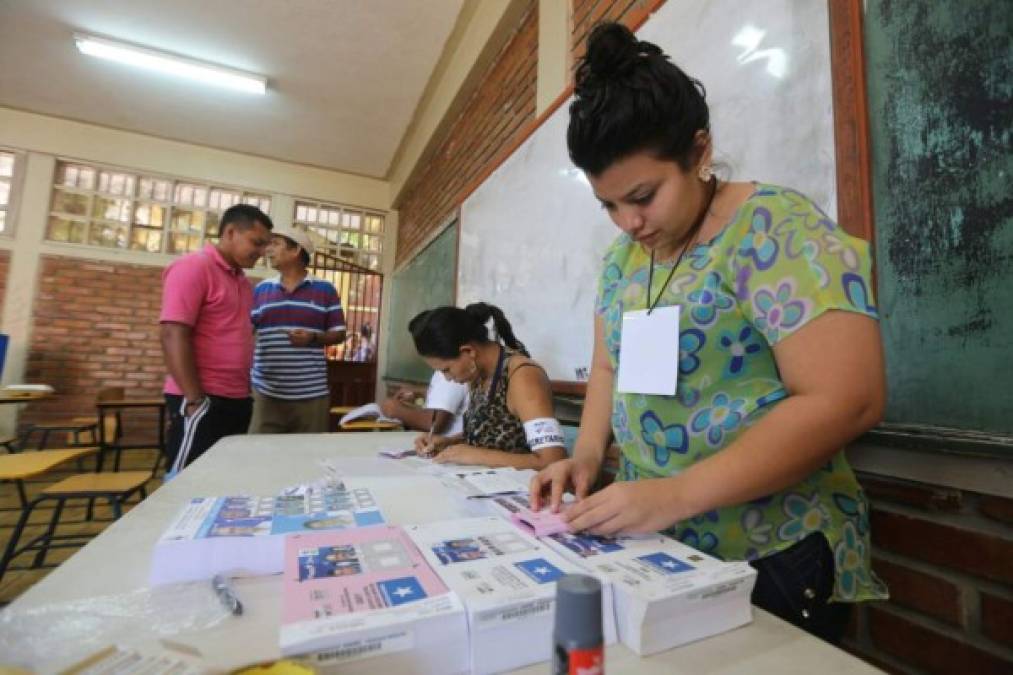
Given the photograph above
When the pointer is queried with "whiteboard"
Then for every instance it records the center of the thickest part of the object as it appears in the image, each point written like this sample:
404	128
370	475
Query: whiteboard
532	235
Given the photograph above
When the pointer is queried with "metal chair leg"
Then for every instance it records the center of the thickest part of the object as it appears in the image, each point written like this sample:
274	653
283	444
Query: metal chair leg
40	557
12	543
22	495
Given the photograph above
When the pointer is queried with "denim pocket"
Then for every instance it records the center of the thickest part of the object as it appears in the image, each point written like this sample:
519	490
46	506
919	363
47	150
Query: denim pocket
796	583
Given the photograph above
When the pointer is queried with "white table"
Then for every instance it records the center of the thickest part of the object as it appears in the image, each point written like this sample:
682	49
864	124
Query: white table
117	561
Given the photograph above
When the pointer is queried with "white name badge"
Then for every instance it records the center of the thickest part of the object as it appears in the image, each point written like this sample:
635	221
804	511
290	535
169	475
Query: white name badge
649	352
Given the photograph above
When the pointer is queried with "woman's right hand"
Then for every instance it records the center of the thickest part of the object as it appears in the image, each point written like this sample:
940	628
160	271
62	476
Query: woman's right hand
426	447
578	474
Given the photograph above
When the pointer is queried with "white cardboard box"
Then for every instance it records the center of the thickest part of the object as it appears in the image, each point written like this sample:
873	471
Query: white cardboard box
666	593
366	601
506	580
245	535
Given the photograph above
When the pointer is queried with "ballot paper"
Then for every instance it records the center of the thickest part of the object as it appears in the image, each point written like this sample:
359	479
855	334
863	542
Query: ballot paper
368	411
244	535
365	600
398	453
517	509
666	593
507	581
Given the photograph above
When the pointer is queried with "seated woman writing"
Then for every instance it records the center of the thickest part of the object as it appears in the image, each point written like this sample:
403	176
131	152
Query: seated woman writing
509	419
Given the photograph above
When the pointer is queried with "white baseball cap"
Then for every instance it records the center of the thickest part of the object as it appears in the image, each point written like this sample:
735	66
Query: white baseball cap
299	236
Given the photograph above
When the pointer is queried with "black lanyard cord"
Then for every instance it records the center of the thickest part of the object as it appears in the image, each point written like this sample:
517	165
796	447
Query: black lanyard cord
691	235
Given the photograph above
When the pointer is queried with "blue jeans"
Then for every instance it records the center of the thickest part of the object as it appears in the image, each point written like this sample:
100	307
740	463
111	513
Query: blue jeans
795	585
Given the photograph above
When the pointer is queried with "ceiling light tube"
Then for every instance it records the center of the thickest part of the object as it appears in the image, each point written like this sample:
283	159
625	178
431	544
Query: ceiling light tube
171	64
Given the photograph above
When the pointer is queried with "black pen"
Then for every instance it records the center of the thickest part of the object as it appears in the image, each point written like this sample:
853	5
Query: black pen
227	596
429	440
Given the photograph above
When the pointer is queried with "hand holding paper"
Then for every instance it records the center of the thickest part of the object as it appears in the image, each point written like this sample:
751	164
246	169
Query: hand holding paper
628	507
554	480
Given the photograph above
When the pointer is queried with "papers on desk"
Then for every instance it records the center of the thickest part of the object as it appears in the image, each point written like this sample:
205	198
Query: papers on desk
666	593
368	595
507	582
152	659
368	411
398	453
474	481
244	535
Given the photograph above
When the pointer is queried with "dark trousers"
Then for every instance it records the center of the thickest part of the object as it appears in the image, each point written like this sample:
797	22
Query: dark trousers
795	585
216	418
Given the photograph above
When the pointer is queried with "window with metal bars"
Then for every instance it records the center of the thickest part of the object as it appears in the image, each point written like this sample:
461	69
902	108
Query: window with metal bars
117	208
352	234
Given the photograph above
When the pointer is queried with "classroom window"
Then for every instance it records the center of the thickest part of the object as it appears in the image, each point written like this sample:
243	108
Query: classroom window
116	208
8	165
352	234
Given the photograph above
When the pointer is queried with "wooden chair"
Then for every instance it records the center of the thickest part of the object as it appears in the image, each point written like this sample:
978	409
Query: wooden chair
114	487
77	427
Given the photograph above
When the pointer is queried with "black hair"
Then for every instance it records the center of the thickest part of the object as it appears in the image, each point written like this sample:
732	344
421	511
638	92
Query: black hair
304	257
243	217
366	331
441	332
629	98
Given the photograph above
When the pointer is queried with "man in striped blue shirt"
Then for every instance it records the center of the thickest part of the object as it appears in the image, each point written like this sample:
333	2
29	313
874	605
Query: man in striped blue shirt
295	317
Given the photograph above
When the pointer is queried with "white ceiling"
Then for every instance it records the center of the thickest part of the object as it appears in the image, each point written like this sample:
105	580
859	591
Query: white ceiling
344	76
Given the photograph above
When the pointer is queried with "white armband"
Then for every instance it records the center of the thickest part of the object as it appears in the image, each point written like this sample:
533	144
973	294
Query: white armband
543	432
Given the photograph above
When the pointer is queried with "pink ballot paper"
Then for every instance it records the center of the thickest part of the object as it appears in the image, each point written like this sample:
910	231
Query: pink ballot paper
369	595
517	509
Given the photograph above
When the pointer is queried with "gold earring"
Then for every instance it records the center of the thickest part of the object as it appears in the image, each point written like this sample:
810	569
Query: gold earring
706	172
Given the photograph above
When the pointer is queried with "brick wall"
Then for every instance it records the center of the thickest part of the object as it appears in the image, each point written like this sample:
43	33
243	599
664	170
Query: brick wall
94	325
501	107
499	113
947	556
5	267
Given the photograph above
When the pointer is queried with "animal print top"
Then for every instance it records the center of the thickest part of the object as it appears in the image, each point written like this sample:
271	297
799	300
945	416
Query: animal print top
488	423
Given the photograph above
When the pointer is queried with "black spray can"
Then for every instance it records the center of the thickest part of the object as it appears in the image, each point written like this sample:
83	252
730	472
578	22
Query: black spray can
578	639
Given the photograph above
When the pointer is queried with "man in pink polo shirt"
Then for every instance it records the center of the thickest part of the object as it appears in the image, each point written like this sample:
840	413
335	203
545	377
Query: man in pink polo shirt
207	337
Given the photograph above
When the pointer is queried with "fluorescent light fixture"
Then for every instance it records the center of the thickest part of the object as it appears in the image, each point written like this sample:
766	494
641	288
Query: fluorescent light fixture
169	63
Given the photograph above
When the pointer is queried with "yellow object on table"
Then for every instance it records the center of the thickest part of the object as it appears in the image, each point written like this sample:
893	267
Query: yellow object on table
283	667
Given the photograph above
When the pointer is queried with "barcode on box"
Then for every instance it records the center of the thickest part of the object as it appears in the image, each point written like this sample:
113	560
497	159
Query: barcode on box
361	649
495	617
349	652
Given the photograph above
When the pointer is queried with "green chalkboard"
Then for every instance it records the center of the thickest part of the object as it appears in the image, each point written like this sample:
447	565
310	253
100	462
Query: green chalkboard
940	77
427	281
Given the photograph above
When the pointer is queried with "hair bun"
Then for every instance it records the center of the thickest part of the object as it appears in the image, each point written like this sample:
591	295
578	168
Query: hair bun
480	311
612	50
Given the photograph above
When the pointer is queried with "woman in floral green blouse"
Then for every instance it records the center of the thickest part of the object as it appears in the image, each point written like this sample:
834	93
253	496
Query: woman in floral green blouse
778	348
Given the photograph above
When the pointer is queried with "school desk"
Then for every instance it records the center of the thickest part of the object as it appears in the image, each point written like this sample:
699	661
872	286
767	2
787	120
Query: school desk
116	444
8	395
24	465
117	561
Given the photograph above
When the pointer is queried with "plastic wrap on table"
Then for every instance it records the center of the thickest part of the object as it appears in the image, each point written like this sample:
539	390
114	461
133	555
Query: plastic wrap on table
46	638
